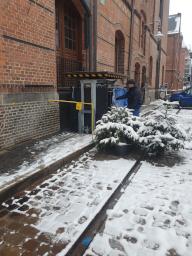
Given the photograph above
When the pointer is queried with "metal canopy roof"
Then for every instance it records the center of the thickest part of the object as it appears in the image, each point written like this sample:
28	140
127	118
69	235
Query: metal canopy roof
94	75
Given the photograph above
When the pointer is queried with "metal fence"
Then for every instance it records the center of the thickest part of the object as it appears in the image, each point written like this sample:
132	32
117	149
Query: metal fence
67	65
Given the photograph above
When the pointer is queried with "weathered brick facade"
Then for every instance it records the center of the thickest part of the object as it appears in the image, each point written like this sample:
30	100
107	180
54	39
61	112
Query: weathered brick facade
27	43
27	120
174	76
115	15
112	16
41	40
27	71
175	64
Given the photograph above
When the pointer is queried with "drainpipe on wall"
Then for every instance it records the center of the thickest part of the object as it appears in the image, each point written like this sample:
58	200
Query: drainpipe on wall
158	68
86	6
94	45
89	30
131	39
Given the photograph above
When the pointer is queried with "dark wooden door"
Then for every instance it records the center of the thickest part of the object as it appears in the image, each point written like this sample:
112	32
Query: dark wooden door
68	39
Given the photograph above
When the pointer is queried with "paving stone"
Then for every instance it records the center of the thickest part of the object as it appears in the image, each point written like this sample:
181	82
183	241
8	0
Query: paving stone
42	249
29	231
28	253
34	192
15	226
12	207
33	211
19	217
38	197
19	195
22	218
24	208
58	247
6	250
44	185
45	237
23	200
54	188
31	245
13	238
9	201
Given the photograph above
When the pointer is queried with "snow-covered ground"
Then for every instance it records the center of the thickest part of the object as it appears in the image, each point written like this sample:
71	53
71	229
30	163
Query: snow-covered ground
63	205
45	153
154	215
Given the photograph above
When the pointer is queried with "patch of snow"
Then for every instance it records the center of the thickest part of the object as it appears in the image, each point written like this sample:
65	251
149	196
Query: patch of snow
154	216
56	151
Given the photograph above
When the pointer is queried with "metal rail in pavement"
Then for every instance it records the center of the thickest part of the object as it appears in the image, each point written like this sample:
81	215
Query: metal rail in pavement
79	247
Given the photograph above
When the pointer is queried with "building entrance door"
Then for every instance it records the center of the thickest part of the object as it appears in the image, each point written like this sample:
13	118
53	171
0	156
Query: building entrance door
68	40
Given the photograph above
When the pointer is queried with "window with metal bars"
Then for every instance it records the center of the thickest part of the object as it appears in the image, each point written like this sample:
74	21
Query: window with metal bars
70	28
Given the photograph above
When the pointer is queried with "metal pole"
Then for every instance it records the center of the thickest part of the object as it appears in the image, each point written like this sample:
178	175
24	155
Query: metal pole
131	39
158	68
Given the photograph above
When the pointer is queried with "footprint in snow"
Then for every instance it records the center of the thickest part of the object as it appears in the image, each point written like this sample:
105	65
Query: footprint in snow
150	244
140	211
82	219
172	252
140	220
116	245
130	239
174	205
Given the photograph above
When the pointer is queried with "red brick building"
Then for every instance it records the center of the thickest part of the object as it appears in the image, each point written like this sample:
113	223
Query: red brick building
131	46
41	40
175	56
183	56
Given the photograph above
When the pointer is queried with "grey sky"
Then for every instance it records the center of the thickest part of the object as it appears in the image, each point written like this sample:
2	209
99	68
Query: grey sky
184	7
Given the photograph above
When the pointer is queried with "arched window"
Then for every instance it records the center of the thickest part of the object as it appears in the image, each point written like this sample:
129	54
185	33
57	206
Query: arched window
150	70
119	51
137	73
143	32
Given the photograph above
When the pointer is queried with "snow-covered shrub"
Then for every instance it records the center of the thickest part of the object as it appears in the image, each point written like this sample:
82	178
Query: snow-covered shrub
160	132
154	133
117	125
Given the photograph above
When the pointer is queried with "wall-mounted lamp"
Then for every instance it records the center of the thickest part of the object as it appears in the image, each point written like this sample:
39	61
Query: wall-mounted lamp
159	35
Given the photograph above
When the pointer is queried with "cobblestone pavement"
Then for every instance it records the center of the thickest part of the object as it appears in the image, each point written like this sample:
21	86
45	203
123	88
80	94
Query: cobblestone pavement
26	159
46	218
29	152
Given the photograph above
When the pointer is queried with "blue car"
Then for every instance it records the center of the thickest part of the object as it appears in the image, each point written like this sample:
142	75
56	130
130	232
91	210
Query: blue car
184	97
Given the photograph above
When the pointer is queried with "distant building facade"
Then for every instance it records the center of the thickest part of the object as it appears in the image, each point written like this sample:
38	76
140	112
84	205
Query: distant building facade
187	68
175	64
41	40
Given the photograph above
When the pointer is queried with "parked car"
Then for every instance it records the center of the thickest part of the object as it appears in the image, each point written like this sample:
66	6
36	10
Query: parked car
184	97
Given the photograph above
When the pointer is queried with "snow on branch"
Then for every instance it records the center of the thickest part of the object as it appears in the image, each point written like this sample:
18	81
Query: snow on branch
155	133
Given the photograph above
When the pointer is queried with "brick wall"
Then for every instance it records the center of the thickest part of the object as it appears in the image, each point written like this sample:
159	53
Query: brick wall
184	54
173	73
27	40
115	15
27	70
112	16
25	121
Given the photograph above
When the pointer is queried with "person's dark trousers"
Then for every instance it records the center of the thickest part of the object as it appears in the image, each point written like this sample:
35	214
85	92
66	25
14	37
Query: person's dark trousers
136	111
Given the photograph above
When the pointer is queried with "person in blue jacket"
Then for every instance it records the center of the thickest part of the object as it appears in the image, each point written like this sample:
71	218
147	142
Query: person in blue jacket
134	97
